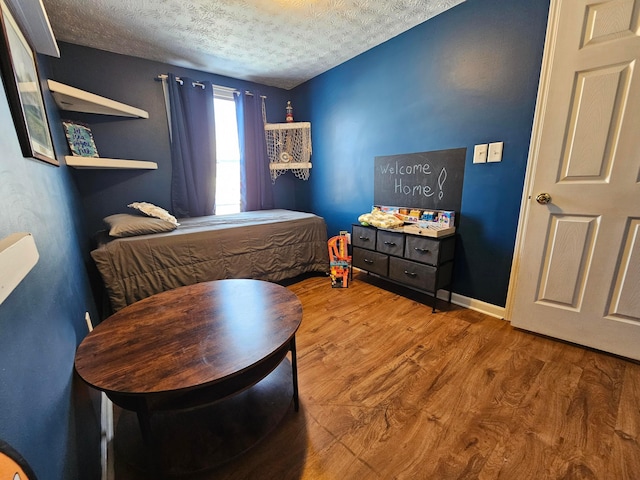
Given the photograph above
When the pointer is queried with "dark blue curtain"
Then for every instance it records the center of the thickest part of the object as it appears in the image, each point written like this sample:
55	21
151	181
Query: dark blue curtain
193	148
256	190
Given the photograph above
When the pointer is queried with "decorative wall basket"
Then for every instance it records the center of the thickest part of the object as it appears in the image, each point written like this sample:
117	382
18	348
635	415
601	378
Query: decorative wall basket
289	148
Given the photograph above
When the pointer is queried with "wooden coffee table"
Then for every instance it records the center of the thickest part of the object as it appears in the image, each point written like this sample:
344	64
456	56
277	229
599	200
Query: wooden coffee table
190	347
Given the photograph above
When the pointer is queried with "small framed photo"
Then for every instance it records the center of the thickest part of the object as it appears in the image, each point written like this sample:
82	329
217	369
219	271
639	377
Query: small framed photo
80	139
22	85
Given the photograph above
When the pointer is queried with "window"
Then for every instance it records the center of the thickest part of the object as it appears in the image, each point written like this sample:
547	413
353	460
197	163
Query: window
228	153
227	149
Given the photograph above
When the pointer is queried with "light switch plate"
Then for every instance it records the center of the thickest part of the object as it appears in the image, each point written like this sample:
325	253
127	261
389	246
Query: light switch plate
495	152
480	153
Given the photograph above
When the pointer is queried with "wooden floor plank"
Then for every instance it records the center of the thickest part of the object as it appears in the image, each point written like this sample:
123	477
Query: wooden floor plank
390	390
624	461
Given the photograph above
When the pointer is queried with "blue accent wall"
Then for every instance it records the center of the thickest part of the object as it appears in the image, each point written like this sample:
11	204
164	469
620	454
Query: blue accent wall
133	81
46	413
465	77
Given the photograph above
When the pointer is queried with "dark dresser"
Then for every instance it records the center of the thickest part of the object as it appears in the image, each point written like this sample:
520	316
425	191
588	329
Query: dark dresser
418	262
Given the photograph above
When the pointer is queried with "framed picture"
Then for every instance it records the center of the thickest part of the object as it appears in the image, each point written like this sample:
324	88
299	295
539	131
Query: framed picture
22	86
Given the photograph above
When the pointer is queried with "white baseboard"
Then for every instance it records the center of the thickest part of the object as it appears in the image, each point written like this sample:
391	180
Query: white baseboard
473	304
106	438
462	301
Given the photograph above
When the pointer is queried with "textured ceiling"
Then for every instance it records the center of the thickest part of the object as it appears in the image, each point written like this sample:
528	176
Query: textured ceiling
274	42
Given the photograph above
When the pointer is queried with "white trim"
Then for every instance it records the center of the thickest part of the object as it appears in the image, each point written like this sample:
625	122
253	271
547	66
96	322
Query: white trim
107	462
473	304
34	22
18	255
461	300
534	148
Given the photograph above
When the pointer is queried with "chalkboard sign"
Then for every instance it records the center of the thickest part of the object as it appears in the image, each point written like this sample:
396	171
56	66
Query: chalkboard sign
428	180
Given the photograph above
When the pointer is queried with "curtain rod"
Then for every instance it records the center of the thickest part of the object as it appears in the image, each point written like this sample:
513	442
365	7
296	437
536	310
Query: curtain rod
164	76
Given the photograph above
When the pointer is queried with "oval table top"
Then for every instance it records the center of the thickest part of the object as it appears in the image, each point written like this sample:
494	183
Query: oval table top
189	337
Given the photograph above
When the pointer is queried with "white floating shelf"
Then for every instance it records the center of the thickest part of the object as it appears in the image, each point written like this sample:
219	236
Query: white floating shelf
76	161
18	255
287	126
76	100
288	166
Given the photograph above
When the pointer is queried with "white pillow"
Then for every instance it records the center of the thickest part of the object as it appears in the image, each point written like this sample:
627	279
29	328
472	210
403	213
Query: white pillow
152	210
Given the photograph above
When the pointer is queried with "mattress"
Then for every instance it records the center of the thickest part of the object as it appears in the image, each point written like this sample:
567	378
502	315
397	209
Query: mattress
269	245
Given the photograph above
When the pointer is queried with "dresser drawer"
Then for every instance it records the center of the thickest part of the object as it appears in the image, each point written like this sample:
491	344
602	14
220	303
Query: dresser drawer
364	237
390	242
413	274
373	262
422	249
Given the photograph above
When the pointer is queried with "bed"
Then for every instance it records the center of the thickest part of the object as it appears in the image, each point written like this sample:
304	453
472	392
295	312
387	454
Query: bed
270	245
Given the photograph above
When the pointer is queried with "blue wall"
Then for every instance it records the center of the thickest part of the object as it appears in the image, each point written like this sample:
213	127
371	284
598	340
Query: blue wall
132	80
467	76
46	412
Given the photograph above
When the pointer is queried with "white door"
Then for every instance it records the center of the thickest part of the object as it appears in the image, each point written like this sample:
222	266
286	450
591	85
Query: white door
576	268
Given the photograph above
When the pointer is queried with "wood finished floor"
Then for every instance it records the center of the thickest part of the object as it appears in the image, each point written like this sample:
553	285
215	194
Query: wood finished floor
389	390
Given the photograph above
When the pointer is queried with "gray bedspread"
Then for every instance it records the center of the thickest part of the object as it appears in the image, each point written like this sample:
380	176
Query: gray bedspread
268	245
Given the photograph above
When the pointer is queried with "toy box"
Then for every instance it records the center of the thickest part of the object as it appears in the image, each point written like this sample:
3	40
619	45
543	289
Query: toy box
429	231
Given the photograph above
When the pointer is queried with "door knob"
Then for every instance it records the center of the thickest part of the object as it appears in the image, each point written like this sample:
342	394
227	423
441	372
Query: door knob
543	198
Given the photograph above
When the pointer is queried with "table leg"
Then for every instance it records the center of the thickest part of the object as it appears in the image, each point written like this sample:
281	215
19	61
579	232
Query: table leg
294	373
144	421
